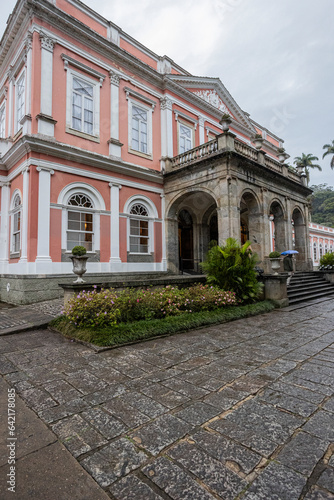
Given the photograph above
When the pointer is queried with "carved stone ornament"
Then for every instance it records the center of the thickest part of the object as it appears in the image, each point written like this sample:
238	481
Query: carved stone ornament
28	41
114	78
46	42
212	98
166	103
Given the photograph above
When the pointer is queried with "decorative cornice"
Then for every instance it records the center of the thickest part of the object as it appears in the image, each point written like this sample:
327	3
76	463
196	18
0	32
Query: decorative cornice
47	43
28	41
166	103
185	117
139	96
45	169
114	78
77	64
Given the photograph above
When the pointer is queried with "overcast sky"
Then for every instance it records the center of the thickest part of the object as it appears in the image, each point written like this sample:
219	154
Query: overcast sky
275	58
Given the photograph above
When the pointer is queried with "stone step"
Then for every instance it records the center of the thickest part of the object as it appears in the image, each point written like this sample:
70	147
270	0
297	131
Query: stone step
295	290
309	296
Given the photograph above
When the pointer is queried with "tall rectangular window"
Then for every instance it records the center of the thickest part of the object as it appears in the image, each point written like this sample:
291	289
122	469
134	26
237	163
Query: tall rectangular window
20	100
139	130
2	121
83	106
185	138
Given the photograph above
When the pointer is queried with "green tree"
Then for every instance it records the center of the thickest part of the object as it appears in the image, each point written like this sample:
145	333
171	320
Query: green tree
322	203
306	161
330	151
231	267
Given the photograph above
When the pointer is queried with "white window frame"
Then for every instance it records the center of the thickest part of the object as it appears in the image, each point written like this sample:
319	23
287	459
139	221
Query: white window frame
96	84
149	110
15	210
152	216
18	117
99	206
82	211
321	253
180	124
3	120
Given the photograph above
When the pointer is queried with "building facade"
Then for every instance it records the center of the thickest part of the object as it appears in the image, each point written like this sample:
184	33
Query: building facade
107	145
321	241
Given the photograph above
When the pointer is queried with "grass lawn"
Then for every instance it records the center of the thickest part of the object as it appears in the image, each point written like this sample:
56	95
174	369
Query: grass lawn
125	333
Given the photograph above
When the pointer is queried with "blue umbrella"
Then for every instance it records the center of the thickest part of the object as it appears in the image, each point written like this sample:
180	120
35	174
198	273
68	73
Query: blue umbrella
289	252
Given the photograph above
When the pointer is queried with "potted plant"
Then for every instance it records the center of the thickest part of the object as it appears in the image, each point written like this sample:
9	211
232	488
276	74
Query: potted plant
275	261
282	155
79	261
225	122
257	141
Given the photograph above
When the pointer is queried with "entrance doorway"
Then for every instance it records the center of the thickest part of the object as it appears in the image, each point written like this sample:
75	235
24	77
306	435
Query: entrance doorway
186	244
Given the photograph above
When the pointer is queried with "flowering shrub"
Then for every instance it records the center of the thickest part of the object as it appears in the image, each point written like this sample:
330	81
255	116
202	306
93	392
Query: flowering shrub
93	308
108	307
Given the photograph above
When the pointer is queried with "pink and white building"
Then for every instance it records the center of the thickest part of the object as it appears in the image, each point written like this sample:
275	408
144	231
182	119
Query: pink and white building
105	144
321	241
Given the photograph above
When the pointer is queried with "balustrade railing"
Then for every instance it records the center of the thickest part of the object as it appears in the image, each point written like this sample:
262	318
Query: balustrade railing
245	150
210	148
194	154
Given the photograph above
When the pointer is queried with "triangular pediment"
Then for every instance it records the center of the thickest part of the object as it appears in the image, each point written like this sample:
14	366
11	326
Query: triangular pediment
214	93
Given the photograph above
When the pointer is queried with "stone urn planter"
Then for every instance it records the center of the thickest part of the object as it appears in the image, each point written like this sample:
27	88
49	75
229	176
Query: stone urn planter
275	261
79	261
258	141
225	122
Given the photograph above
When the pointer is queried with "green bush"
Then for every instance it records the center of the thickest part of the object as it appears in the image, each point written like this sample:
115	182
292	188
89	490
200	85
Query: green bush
231	267
327	259
140	330
274	255
78	251
108	307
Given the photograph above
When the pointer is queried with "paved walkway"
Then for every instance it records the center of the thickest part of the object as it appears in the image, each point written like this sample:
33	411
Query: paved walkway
243	410
21	318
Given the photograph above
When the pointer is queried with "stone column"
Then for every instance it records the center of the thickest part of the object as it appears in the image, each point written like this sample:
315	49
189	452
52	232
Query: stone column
4	226
114	144
289	226
45	121
163	232
24	226
172	243
114	223
43	233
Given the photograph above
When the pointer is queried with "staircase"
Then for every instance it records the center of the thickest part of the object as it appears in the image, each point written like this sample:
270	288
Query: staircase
308	286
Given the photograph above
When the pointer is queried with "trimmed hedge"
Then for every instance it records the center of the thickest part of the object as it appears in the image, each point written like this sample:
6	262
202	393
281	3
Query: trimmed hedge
125	333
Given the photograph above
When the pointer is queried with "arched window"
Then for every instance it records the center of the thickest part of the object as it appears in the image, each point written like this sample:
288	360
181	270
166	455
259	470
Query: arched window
80	230
16	224
320	251
326	248
331	249
139	229
315	253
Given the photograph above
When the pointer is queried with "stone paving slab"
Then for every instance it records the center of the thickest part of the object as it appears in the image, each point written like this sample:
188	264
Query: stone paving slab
236	410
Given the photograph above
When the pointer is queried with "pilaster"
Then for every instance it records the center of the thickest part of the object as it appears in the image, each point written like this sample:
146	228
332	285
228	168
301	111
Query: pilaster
4	225
25	205
45	121
163	232
114	144
114	223
43	232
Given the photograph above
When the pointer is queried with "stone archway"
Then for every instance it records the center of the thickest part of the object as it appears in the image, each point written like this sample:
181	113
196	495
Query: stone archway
188	229
251	227
301	237
279	236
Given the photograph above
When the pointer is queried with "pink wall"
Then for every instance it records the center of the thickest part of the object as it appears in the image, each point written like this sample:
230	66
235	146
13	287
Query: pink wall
83	17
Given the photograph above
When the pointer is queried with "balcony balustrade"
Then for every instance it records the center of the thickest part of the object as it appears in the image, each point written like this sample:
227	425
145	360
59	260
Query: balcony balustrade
224	143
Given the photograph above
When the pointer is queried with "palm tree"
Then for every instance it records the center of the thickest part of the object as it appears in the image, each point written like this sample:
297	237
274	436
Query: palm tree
306	161
330	151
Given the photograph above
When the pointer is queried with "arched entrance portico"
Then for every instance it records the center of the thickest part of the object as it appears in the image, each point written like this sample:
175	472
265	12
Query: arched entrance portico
300	236
251	222
191	224
279	232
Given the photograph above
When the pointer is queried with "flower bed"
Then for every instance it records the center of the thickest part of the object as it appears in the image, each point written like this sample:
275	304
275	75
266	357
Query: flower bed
109	308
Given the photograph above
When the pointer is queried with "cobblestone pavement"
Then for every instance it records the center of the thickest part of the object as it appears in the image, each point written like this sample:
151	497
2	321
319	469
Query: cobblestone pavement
242	410
17	317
